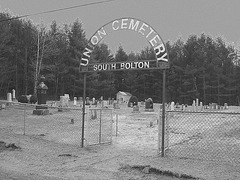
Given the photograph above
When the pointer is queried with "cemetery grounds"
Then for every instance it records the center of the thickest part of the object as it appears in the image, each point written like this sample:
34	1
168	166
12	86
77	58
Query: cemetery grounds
49	147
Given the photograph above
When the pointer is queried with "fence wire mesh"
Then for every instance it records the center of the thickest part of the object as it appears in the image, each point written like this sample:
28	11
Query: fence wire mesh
203	135
99	126
61	125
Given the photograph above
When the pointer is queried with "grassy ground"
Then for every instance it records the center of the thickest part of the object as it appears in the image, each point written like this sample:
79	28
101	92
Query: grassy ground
50	147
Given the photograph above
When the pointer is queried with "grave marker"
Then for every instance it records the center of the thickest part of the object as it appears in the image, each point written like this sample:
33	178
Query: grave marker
9	97
42	98
194	106
201	106
149	105
172	106
13	94
75	101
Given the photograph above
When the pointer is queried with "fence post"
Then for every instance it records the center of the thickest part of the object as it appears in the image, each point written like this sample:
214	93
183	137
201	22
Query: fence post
116	124
87	126
100	126
24	119
111	124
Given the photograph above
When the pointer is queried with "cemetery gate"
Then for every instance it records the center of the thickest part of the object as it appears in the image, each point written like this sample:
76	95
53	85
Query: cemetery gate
99	126
160	62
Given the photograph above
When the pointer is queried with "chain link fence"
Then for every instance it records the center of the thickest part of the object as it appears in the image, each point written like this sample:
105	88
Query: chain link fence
61	125
99	126
203	135
58	124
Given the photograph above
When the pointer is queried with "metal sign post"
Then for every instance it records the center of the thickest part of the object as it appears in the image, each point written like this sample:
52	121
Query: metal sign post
163	113
83	109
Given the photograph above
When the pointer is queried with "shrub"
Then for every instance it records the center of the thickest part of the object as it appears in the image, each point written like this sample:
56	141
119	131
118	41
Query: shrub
23	99
133	100
33	99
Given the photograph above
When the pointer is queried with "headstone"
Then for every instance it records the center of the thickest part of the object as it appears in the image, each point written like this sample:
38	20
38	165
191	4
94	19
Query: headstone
131	104
197	104
67	95
3	106
161	106
9	97
214	105
94	102
64	104
13	94
210	106
194	106
64	101
93	114
183	107
112	101
225	106
87	101
172	106
201	106
136	109
105	103
80	99
75	101
109	101
42	108
149	105
177	105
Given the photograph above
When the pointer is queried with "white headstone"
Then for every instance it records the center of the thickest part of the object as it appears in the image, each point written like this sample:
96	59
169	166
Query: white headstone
64	101
67	96
172	106
225	106
194	105
75	101
9	97
201	106
13	94
197	104
183	107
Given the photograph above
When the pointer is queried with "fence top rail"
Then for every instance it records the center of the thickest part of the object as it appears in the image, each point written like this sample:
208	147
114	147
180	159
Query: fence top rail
40	105
204	112
100	108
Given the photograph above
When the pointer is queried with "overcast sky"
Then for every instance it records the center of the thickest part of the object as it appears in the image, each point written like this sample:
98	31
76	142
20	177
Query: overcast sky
171	19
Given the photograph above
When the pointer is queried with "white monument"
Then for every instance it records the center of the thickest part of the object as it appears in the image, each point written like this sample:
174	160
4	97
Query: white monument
194	106
172	106
75	101
9	97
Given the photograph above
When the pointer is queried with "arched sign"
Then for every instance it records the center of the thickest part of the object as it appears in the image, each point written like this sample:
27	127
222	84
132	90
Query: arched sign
132	24
160	62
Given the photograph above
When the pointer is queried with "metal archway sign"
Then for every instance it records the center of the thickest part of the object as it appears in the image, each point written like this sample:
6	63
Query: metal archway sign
161	60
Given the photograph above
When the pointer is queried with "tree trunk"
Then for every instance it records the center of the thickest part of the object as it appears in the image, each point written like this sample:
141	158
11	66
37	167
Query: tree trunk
218	90
57	84
204	88
36	69
16	77
74	87
25	72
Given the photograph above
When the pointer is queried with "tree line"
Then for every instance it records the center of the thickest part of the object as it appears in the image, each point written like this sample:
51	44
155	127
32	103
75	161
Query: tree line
201	67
